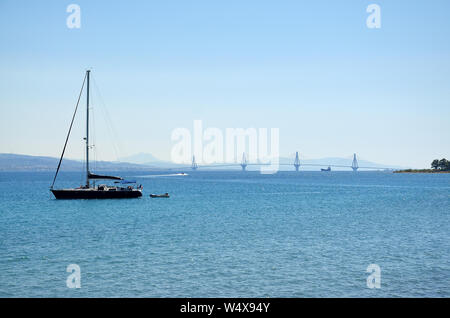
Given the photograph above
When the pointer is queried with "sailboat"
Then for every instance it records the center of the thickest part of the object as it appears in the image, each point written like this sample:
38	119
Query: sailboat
90	190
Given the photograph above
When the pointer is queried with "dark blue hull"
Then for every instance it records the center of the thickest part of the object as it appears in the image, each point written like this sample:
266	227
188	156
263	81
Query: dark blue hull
95	194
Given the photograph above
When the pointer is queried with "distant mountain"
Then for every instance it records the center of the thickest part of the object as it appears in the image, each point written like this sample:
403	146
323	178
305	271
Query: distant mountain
140	158
15	162
145	161
149	160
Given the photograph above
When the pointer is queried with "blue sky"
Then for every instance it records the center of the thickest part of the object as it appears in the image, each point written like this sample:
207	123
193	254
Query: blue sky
312	69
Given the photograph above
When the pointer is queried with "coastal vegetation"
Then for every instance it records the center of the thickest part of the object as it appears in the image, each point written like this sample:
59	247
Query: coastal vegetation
441	165
437	166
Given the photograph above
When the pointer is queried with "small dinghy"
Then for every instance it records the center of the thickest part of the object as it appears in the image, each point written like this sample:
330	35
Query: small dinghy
165	195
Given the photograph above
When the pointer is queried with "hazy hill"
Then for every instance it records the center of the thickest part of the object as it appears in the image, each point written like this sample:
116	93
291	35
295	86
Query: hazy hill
142	161
15	162
140	158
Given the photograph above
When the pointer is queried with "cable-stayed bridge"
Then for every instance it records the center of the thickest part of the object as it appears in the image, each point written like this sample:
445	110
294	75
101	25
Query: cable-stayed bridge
296	164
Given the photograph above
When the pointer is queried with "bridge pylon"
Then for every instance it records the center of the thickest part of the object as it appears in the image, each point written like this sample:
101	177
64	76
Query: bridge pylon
244	162
194	165
296	162
355	163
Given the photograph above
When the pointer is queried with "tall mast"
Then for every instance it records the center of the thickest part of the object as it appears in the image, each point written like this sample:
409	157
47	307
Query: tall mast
87	129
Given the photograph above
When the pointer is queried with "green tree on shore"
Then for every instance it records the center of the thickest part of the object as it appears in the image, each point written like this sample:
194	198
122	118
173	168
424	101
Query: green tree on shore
442	164
435	164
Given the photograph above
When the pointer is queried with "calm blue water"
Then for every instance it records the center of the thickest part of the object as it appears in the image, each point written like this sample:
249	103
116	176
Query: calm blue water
230	234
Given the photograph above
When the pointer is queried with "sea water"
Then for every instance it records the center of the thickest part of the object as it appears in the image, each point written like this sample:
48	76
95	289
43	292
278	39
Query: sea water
229	234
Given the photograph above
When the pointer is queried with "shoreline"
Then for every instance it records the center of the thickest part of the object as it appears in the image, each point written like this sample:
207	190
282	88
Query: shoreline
421	171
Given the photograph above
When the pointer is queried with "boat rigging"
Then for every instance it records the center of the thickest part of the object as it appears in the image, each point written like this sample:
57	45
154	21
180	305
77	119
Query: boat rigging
88	191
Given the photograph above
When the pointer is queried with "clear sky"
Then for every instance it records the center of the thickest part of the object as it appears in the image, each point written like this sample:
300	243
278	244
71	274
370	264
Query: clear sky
311	68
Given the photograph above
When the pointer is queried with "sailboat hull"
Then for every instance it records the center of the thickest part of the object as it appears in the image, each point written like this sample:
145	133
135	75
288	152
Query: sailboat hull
95	194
